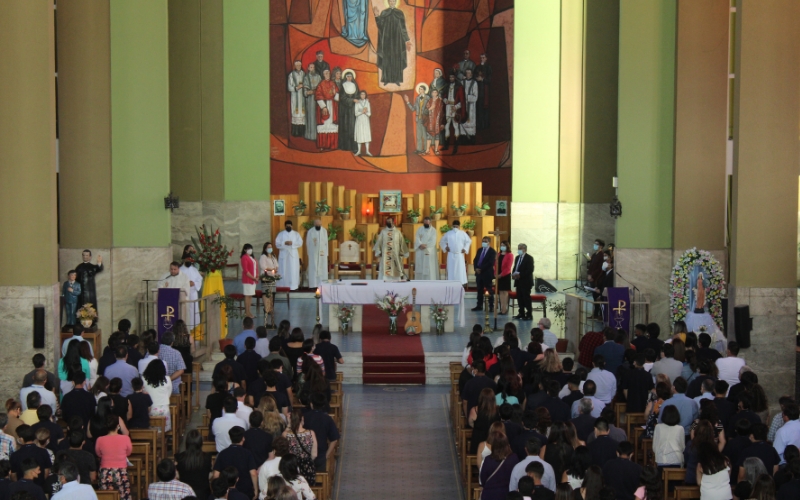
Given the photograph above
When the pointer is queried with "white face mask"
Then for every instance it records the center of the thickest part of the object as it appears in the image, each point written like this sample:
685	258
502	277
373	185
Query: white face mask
595	247
605	266
249	251
485	245
520	251
503	248
269	250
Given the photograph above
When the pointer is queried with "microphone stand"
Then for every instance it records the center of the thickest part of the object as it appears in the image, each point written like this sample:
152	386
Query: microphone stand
635	289
577	285
147	299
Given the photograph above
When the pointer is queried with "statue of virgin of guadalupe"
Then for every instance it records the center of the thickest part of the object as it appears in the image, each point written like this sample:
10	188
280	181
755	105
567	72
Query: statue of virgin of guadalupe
699	295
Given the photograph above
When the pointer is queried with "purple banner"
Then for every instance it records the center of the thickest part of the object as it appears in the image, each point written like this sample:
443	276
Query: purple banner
619	308
168	309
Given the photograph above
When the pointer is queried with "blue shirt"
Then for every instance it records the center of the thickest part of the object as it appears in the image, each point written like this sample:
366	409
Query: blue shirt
125	372
597	407
786	435
613	354
238	341
686	407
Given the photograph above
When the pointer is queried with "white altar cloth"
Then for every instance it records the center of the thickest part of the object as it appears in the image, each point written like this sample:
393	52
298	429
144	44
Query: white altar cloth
428	292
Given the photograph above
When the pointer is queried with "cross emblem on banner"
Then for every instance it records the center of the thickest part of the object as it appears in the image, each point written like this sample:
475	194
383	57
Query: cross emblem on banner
618	317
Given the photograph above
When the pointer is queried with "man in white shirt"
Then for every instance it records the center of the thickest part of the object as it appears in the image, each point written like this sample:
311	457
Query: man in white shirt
224	423
426	259
48	397
790	432
605	381
242	410
71	486
589	389
730	365
550	339
288	243
456	243
532	448
152	353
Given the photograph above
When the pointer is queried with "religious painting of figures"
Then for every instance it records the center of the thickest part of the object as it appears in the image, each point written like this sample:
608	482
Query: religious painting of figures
367	92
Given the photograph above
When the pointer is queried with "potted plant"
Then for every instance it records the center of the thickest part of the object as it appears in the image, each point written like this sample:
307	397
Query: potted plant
557	310
333	232
469	227
445	228
307	225
300	208
344	212
481	209
413	216
322	207
358	236
436	213
459	210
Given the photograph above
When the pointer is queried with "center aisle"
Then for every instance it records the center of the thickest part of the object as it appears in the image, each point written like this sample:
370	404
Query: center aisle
397	445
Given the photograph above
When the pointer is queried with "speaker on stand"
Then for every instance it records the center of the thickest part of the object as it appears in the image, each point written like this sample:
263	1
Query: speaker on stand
742	324
38	326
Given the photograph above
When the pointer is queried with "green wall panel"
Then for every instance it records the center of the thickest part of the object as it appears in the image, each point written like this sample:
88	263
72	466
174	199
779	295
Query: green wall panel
646	135
537	47
139	123
246	97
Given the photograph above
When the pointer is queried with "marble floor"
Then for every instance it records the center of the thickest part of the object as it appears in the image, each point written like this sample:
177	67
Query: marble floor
302	313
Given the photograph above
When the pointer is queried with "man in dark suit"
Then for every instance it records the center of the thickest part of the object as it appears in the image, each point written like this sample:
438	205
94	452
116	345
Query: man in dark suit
484	273
522	274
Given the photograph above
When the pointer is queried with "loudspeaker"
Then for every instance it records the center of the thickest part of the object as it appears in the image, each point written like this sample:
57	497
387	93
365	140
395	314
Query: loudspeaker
742	323
725	316
542	286
38	326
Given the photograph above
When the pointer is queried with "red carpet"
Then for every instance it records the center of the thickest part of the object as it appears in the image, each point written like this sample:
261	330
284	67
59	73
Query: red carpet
390	359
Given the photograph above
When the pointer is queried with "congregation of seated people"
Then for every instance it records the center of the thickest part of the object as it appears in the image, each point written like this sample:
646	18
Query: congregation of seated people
69	434
544	428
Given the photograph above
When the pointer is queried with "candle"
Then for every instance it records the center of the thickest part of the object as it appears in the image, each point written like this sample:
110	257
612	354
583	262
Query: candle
317	295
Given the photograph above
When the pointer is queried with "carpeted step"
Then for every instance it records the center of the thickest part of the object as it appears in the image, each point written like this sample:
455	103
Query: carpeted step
394	378
371	368
394	358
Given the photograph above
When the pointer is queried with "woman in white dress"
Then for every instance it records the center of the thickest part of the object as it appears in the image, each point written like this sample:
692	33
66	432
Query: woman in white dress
713	473
159	387
363	132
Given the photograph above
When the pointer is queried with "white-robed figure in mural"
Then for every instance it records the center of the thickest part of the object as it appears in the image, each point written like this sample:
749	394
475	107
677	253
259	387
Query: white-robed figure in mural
426	258
297	99
289	243
317	249
456	243
363	133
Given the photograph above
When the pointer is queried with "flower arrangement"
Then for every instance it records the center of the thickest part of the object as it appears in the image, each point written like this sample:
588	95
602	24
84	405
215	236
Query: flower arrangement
679	286
438	312
87	312
391	303
212	255
345	313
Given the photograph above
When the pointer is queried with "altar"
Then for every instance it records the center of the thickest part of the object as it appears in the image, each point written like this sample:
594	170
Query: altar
361	292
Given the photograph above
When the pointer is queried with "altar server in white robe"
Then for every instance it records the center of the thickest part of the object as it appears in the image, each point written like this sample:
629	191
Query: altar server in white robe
426	258
317	248
195	286
456	243
177	279
289	243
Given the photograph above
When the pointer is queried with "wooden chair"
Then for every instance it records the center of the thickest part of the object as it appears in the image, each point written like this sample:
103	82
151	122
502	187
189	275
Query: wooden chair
541	300
348	260
136	475
670	474
323	481
142	451
282	290
619	409
638	432
339	376
107	494
464	442
186	393
150	437
687	492
160	423
175	431
196	367
472	480
647	451
178	419
476	493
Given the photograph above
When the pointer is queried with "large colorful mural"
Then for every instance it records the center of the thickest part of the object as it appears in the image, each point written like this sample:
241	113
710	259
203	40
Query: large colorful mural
391	94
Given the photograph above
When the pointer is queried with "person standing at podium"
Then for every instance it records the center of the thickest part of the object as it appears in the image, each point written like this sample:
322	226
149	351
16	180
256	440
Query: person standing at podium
289	244
483	263
317	248
426	259
456	243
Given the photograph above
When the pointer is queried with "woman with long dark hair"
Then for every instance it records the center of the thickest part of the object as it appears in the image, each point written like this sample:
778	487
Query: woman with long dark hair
495	471
558	451
291	473
592	484
159	387
70	364
702	434
505	261
86	353
249	277
314	381
303	445
764	489
576	469
713	473
193	465
652	488
474	337
509	389
481	417
100	388
485	448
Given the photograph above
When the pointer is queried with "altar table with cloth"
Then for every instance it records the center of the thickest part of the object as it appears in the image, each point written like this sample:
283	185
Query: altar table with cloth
449	293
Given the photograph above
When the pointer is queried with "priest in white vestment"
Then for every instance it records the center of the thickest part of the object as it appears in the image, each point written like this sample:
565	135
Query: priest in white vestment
426	257
317	248
195	288
390	249
289	243
456	243
176	279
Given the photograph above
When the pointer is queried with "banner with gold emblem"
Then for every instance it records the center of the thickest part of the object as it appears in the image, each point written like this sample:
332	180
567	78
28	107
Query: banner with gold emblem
619	308
168	309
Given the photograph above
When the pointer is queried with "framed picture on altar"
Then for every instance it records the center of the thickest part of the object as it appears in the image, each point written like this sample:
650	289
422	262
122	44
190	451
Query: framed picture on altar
501	208
278	207
391	202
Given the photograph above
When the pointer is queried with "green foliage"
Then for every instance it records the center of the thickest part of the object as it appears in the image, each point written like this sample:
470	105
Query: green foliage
344	210
333	232
307	225
231	310
322	207
445	228
558	310
435	210
460	207
485	206
357	235
413	214
470	224
301	205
